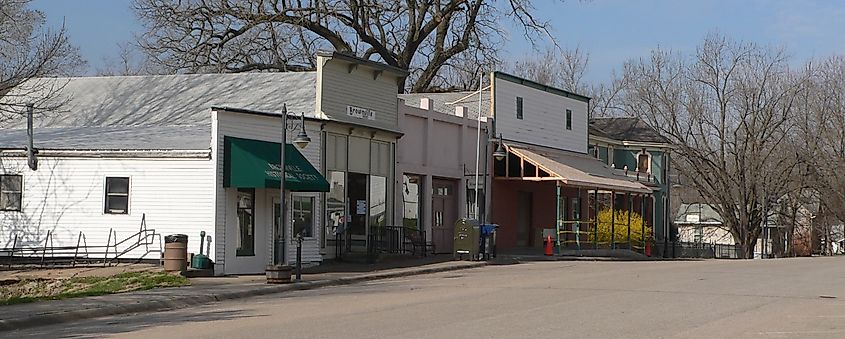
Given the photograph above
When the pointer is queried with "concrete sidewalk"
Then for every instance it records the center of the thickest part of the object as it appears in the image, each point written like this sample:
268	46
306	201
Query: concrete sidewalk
201	291
529	254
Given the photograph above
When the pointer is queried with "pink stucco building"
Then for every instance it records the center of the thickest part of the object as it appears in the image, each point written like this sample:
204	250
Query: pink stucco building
435	167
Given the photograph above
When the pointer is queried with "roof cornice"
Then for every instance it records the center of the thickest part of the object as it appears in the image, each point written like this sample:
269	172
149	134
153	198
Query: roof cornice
629	143
539	86
358	61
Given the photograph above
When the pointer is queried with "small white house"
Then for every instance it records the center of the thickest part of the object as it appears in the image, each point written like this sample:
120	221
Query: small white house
700	223
193	153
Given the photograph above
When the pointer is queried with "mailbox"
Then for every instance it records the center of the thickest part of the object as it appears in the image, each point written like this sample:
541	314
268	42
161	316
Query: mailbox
466	239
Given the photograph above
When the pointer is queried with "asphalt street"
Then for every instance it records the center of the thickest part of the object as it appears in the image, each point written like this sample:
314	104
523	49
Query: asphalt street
782	298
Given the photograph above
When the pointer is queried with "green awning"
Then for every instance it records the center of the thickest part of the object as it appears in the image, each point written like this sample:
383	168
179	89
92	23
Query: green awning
251	163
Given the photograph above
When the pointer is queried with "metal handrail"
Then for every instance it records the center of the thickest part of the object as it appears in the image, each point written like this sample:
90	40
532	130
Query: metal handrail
108	253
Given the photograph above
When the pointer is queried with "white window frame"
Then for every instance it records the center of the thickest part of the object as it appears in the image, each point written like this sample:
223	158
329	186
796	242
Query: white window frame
105	210
648	162
314	211
419	201
255	239
20	202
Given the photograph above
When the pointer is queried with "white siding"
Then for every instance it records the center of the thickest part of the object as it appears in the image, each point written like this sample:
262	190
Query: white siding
338	88
262	128
66	196
544	117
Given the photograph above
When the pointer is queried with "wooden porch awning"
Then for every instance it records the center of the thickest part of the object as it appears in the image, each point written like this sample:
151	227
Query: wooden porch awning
575	170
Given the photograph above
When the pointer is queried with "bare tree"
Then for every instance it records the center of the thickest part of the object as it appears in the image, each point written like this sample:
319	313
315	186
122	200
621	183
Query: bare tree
821	141
424	37
28	51
729	110
129	61
565	69
558	67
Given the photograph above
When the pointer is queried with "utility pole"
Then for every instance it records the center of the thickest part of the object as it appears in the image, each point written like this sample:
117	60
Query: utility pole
31	152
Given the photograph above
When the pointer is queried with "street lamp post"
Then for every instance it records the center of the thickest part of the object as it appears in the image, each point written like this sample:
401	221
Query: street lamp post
478	146
279	259
300	141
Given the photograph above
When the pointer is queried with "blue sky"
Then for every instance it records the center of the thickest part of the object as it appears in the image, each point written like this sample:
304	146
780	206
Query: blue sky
612	31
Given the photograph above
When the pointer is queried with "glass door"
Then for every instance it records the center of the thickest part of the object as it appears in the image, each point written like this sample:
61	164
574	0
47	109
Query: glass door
358	208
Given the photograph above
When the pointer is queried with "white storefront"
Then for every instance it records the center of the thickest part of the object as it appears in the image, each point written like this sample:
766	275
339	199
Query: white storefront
123	148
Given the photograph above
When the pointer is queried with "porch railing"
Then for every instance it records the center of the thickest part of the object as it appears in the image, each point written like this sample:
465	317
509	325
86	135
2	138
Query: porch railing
640	176
397	240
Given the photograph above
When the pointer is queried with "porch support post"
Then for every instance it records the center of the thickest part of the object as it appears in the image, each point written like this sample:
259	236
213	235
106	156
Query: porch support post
630	202
613	220
642	215
596	218
557	220
578	223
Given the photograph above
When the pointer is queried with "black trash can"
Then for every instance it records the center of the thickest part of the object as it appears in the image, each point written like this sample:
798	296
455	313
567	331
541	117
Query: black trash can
176	253
183	238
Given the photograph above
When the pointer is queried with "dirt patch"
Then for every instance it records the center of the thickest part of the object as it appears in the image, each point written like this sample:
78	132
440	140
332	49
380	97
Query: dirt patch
34	289
73	272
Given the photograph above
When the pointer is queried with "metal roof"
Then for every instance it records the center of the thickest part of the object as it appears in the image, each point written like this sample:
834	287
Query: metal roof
579	170
705	213
154	112
191	137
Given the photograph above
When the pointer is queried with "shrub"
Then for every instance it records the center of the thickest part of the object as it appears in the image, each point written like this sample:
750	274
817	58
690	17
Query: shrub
620	227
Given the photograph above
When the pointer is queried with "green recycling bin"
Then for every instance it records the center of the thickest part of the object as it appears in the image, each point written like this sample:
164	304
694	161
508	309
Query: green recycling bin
466	239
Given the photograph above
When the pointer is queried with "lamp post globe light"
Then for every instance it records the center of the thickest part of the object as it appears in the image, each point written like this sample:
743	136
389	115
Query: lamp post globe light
500	152
302	138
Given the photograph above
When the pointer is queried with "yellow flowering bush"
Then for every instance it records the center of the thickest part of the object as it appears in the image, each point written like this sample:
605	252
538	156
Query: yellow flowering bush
606	227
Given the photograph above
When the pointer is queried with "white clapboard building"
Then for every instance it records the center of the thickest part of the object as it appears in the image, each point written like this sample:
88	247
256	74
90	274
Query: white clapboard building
192	153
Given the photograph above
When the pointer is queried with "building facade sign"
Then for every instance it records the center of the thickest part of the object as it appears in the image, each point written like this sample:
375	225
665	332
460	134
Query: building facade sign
360	113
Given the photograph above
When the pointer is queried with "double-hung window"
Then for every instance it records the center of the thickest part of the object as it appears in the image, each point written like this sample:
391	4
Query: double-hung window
644	162
11	190
117	195
245	238
303	216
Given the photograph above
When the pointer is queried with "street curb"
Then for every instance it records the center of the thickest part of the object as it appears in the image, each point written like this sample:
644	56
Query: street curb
194	300
537	258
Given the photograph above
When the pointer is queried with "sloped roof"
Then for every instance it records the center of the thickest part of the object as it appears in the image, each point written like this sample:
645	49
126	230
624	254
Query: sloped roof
195	137
579	169
447	101
707	214
625	129
156	112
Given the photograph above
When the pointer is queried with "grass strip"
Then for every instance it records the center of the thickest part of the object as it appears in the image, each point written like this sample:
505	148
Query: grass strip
35	290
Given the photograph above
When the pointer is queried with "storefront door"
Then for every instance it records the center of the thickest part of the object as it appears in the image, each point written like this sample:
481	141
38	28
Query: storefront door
524	210
444	210
358	208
